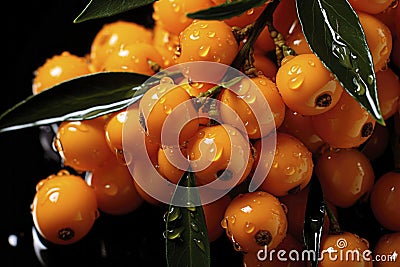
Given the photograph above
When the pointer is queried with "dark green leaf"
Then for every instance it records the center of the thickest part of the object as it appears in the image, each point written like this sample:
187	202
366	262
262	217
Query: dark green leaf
186	231
106	8
335	35
81	98
314	220
226	10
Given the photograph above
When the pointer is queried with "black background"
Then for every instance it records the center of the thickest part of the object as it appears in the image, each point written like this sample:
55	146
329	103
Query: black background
34	31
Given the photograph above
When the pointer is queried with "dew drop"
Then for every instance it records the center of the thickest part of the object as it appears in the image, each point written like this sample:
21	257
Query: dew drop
289	170
262	82
311	63
250	98
174	233
203	26
167	109
232	219
162	100
250	11
195	35
211	34
224	223
249	228
200	244
204	50
296	82
110	189
194	226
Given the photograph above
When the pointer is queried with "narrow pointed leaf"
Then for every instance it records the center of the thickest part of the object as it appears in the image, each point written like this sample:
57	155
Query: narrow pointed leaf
106	8
186	231
226	10
314	220
335	35
85	97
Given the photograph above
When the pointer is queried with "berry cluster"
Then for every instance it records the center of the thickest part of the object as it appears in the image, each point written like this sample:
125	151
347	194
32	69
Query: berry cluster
319	131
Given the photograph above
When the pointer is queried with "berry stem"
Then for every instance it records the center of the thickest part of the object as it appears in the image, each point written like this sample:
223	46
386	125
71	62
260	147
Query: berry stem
334	227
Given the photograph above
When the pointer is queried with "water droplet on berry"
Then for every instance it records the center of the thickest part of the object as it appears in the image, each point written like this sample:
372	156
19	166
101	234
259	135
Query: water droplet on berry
204	50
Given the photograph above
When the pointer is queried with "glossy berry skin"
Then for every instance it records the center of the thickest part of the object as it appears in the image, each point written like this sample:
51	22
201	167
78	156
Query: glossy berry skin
300	126
57	69
220	153
254	220
64	208
82	144
346	185
292	166
388	85
264	65
207	40
297	41
158	103
306	86
245	105
346	125
111	36
246	18
136	57
171	14
167	164
379	39
345	243
214	213
385	250
166	44
370	6
385	198
114	186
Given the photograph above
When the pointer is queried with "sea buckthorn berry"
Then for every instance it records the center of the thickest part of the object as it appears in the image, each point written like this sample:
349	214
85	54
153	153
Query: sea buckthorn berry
171	14
284	16
207	40
370	6
214	213
222	153
166	44
82	144
114	186
254	220
168	165
346	125
379	39
265	65
249	100
157	105
300	126
297	41
353	248
289	245
57	69
386	249
139	58
296	209
307	86
291	169
265	43
147	197
346	185
114	34
388	86
385	199
376	145
64	208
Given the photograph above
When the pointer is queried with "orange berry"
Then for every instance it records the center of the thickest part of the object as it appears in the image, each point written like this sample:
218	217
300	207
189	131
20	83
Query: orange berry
64	208
388	86
307	86
247	17
171	14
82	144
207	40
297	41
167	164
114	34
300	126
166	44
114	186
254	220
265	43
379	39
385	198
370	6
385	250
291	169
346	185
57	69
346	125
220	153
265	65
214	213
137	57
249	101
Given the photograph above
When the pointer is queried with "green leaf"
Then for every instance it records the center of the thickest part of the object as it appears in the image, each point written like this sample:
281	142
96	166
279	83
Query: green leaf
314	220
106	8
226	10
85	97
334	33
186	231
